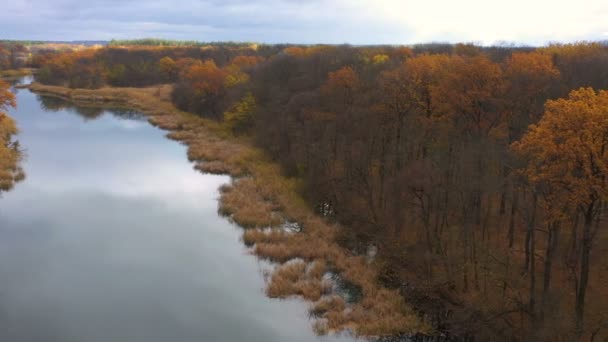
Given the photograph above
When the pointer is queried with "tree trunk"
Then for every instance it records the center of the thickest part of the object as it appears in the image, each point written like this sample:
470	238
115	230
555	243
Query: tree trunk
530	256
530	236
552	239
584	271
511	233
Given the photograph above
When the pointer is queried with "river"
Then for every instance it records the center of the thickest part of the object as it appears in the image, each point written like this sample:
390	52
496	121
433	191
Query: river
113	236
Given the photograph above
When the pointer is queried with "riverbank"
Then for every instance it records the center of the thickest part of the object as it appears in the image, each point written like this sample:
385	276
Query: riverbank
16	73
264	202
10	153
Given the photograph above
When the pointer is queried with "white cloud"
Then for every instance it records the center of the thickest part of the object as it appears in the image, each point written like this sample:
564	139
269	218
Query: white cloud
298	21
527	21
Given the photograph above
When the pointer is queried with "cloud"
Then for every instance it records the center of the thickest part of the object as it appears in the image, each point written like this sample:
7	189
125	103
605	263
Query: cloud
490	21
297	21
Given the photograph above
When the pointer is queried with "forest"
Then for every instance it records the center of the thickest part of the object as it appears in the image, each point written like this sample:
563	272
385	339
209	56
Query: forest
477	173
12	55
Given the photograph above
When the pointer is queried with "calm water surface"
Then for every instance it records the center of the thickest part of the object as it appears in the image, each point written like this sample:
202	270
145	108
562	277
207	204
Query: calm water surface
114	237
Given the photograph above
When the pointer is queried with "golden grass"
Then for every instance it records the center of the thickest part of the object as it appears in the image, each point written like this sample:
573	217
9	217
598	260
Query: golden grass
215	167
297	278
284	278
269	236
262	198
249	207
333	303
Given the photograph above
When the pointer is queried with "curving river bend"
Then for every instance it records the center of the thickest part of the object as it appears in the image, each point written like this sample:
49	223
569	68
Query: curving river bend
114	237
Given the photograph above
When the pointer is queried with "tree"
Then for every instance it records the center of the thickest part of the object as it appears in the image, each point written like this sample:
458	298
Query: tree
295	51
10	156
406	91
530	79
5	58
380	59
246	61
339	92
201	88
581	64
469	50
567	152
342	85
184	64
206	78
471	92
168	69
240	118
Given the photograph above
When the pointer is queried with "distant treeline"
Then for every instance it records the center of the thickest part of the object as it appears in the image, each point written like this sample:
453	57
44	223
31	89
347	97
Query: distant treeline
13	55
19	54
21	42
43	42
479	173
172	43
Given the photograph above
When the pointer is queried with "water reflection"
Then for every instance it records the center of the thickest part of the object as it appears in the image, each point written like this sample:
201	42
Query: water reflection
55	104
11	171
15	81
114	237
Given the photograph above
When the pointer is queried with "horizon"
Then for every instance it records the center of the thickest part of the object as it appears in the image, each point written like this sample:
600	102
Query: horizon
506	44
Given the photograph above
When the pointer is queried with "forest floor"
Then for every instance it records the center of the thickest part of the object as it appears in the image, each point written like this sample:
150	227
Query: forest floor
278	224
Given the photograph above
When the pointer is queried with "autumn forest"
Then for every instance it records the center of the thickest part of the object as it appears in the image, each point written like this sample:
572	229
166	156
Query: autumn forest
475	176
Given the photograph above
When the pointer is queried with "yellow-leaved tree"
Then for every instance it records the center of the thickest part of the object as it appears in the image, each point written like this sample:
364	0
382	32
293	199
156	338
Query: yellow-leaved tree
240	117
168	69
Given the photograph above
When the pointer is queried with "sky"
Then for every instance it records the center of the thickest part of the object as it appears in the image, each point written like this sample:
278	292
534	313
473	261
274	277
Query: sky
531	22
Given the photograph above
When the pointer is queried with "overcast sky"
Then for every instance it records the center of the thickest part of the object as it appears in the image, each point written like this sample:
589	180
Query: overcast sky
309	21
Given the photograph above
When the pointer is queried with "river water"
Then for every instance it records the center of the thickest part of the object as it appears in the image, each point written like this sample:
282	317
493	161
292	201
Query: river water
114	237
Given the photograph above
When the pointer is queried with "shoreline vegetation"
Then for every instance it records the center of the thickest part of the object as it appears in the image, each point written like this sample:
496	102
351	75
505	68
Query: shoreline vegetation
16	73
10	154
263	201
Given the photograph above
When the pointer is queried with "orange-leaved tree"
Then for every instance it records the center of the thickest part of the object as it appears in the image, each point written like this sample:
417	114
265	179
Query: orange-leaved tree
567	153
530	78
201	88
342	85
10	156
406	93
339	92
206	78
